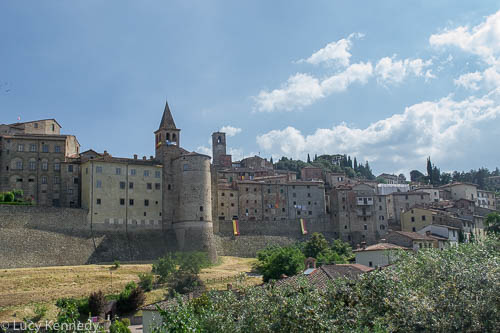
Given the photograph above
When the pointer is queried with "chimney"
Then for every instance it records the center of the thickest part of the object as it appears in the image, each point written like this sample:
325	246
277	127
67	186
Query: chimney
310	263
363	245
144	158
135	156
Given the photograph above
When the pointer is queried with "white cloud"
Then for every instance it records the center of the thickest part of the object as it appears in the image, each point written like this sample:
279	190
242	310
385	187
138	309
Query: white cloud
230	130
334	52
204	150
446	129
390	71
303	89
469	80
482	40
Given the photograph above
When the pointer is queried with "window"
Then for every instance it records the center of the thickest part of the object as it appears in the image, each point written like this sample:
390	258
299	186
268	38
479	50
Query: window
122	185
185	167
310	212
131	185
19	165
222	204
157	174
283	209
413	229
98	184
32	148
157	186
201	208
32	165
57	149
298	212
44	179
232	204
70	191
70	168
308	195
131	202
57	166
423	217
268	190
246	189
406	196
20	147
75	180
413	218
35	125
57	180
255	189
45	148
370	264
53	128
145	214
118	171
122	202
98	201
231	195
98	169
149	186
365	227
146	173
294	195
146	202
169	187
133	172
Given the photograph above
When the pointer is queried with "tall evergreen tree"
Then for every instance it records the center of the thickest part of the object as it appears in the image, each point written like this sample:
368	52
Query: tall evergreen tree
349	162
429	169
308	159
315	157
355	164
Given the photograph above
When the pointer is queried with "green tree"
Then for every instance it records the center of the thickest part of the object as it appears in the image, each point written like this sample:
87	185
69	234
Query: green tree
163	267
493	223
119	327
308	159
192	262
274	262
429	169
315	245
97	302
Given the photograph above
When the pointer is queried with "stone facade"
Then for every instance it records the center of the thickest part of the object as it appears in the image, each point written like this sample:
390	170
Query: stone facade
32	159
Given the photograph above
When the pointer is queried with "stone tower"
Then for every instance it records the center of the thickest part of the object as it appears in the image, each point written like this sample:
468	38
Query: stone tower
187	190
218	147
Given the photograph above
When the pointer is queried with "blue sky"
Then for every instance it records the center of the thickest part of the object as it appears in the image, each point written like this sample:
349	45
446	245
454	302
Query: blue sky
391	82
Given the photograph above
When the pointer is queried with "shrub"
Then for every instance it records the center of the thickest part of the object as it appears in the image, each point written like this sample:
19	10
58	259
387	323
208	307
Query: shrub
146	281
1	197
8	197
119	327
116	264
130	299
39	312
163	267
183	282
97	303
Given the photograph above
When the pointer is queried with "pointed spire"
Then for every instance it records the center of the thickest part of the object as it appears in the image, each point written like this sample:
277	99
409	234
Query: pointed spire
167	121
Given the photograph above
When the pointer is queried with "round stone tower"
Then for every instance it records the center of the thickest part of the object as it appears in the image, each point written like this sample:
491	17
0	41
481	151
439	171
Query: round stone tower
193	215
187	190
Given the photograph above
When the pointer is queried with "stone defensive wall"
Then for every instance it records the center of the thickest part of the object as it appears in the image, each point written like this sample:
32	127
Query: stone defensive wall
257	235
32	236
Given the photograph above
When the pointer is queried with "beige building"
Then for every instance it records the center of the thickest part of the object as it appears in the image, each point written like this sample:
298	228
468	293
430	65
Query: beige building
122	191
461	191
35	157
378	255
416	218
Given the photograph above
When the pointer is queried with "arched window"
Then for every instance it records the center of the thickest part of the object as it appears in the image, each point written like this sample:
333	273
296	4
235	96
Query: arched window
168	136
32	164
174	137
57	165
45	165
219	139
16	164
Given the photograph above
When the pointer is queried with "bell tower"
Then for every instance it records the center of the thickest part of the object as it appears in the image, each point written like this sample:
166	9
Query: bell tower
167	134
218	148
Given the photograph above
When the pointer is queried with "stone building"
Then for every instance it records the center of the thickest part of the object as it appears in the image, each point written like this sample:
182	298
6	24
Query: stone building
187	189
122	191
458	191
486	199
398	203
358	213
36	158
311	173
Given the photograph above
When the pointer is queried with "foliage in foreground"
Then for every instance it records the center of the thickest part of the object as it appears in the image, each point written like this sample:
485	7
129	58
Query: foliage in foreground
454	290
275	261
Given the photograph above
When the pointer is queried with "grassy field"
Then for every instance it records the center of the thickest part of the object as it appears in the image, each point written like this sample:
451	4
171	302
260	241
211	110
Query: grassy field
24	288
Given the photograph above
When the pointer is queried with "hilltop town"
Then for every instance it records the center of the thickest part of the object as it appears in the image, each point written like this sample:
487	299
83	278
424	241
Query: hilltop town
194	197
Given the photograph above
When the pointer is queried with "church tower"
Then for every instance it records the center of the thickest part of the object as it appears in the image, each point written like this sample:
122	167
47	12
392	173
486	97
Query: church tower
167	133
187	190
218	148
